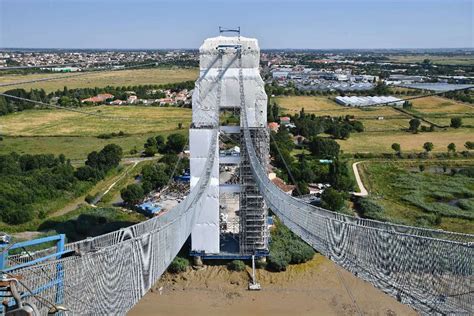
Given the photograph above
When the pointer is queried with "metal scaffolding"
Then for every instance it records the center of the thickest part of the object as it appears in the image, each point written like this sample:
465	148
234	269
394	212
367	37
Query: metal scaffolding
253	211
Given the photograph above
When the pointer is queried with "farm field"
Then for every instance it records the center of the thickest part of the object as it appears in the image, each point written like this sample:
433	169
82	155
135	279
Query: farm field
75	135
432	198
326	106
130	119
102	79
380	134
74	148
440	60
387	124
380	142
437	105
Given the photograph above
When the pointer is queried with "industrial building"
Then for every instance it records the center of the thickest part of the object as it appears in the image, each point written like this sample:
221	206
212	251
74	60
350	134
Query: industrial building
368	101
233	220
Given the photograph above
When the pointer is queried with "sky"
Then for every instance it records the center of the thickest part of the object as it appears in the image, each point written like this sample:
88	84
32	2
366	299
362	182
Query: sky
311	24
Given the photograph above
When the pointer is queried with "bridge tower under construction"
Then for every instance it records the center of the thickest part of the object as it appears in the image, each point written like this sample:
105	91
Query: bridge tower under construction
233	220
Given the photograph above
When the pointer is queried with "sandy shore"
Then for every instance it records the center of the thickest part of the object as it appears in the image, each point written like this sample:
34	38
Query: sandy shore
313	288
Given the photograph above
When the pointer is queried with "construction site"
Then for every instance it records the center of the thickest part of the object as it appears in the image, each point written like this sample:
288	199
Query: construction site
233	223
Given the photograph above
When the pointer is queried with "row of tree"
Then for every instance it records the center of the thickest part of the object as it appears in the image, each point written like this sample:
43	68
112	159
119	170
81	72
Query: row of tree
28	183
72	97
174	144
428	146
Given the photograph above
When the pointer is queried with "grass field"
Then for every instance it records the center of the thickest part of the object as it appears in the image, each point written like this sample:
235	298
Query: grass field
387	124
440	110
379	135
414	198
439	105
440	60
102	79
75	135
130	119
380	142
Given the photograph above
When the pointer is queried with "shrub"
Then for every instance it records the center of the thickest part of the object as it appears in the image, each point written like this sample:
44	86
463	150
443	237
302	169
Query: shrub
369	209
456	122
15	217
178	265
468	172
286	248
236	265
333	200
300	252
278	261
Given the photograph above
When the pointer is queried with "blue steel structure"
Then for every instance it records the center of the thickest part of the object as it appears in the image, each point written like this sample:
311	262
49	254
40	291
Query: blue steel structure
8	265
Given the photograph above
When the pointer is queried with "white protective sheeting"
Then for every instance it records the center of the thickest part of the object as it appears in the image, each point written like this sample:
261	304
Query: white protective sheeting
218	85
226	65
205	233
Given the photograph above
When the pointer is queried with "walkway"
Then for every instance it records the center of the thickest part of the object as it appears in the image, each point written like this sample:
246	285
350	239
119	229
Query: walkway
363	191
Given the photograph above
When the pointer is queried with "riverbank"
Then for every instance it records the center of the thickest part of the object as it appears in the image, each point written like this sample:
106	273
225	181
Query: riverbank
313	288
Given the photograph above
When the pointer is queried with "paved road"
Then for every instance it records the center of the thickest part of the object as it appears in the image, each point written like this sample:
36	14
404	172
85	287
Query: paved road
363	191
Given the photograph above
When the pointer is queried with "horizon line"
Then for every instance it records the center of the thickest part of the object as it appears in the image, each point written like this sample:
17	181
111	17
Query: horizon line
275	48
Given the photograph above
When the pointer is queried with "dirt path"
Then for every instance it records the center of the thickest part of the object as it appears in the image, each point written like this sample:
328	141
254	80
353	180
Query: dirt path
314	288
363	191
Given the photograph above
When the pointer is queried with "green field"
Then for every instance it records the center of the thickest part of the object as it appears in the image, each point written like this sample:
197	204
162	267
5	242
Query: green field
440	110
130	119
380	134
414	198
154	76
440	60
380	142
75	134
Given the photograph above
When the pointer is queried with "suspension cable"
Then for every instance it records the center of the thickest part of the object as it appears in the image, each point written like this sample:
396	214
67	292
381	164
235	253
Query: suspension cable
341	279
286	164
63	107
422	96
74	75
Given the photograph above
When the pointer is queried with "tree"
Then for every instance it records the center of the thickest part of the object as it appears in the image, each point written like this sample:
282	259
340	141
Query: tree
339	176
456	122
414	125
87	173
428	146
175	143
407	105
324	147
110	156
422	168
301	188
151	143
154	176
150	151
469	145
452	147
397	148
132	194
332	199
160	143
